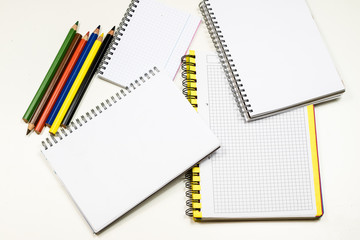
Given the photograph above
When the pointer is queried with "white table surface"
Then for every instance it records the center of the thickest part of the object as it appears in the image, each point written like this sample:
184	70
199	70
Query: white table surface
33	203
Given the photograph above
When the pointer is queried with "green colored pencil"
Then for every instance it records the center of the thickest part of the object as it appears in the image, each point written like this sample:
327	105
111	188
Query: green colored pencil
50	74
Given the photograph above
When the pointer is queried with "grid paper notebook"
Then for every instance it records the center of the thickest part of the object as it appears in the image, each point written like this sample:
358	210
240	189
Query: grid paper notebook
127	148
150	34
264	169
273	54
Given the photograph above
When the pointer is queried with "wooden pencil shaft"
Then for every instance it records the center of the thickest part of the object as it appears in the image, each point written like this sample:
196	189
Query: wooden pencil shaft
55	80
54	96
71	79
50	74
75	86
86	81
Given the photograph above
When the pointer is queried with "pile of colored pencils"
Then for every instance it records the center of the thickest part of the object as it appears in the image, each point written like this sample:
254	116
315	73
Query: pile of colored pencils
67	79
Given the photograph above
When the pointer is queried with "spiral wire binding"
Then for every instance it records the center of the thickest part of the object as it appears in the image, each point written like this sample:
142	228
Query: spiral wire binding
117	35
192	177
226	61
94	112
192	183
189	79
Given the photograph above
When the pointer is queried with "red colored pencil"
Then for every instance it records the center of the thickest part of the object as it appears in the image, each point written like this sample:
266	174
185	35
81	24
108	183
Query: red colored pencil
41	123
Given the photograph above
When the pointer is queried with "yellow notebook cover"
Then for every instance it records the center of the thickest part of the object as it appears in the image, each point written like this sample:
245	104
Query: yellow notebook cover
226	204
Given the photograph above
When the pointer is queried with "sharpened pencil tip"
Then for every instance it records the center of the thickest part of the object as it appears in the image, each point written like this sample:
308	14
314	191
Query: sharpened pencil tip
77	23
97	30
87	34
113	28
28	131
102	35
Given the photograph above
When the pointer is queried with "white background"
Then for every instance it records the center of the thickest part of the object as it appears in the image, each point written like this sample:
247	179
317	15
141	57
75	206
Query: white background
34	205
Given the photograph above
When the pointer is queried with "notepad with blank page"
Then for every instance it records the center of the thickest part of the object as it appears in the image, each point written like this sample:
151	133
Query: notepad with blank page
264	169
273	53
127	148
150	34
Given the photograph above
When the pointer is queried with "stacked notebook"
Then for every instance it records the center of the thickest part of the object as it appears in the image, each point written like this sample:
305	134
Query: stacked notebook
264	169
273	61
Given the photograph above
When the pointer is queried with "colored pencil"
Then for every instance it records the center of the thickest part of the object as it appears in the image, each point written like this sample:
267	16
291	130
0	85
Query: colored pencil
39	110
87	79
72	77
56	124
80	47
50	74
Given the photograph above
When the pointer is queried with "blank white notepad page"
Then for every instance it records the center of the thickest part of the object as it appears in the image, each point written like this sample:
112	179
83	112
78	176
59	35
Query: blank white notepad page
156	35
278	52
263	168
128	152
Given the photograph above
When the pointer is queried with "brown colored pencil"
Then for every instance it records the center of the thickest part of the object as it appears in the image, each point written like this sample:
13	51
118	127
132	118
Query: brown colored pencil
60	85
50	74
53	83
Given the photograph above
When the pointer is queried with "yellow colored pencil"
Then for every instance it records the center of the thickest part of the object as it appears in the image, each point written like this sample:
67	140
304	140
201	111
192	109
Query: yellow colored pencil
79	78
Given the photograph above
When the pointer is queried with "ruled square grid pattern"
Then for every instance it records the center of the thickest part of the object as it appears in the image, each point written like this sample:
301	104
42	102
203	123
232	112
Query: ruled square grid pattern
156	35
262	166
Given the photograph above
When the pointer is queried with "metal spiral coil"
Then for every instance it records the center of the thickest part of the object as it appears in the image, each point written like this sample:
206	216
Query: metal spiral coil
225	58
184	63
117	35
189	183
94	112
189	87
186	75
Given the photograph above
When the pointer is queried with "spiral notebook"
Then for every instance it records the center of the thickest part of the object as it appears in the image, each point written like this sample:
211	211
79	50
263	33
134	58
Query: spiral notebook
150	34
127	148
275	56
264	169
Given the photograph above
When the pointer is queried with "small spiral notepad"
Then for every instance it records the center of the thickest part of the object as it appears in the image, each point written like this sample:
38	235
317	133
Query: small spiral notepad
127	148
150	34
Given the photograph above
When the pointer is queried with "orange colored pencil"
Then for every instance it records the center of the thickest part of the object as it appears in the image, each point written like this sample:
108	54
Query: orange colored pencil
41	123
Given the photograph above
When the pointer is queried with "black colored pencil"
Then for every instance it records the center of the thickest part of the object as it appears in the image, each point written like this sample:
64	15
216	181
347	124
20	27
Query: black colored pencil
87	79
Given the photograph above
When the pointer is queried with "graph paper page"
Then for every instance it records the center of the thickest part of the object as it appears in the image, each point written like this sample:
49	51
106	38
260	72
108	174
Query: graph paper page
263	168
156	35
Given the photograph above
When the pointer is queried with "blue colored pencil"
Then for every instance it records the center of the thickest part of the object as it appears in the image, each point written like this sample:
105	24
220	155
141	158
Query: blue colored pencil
72	77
